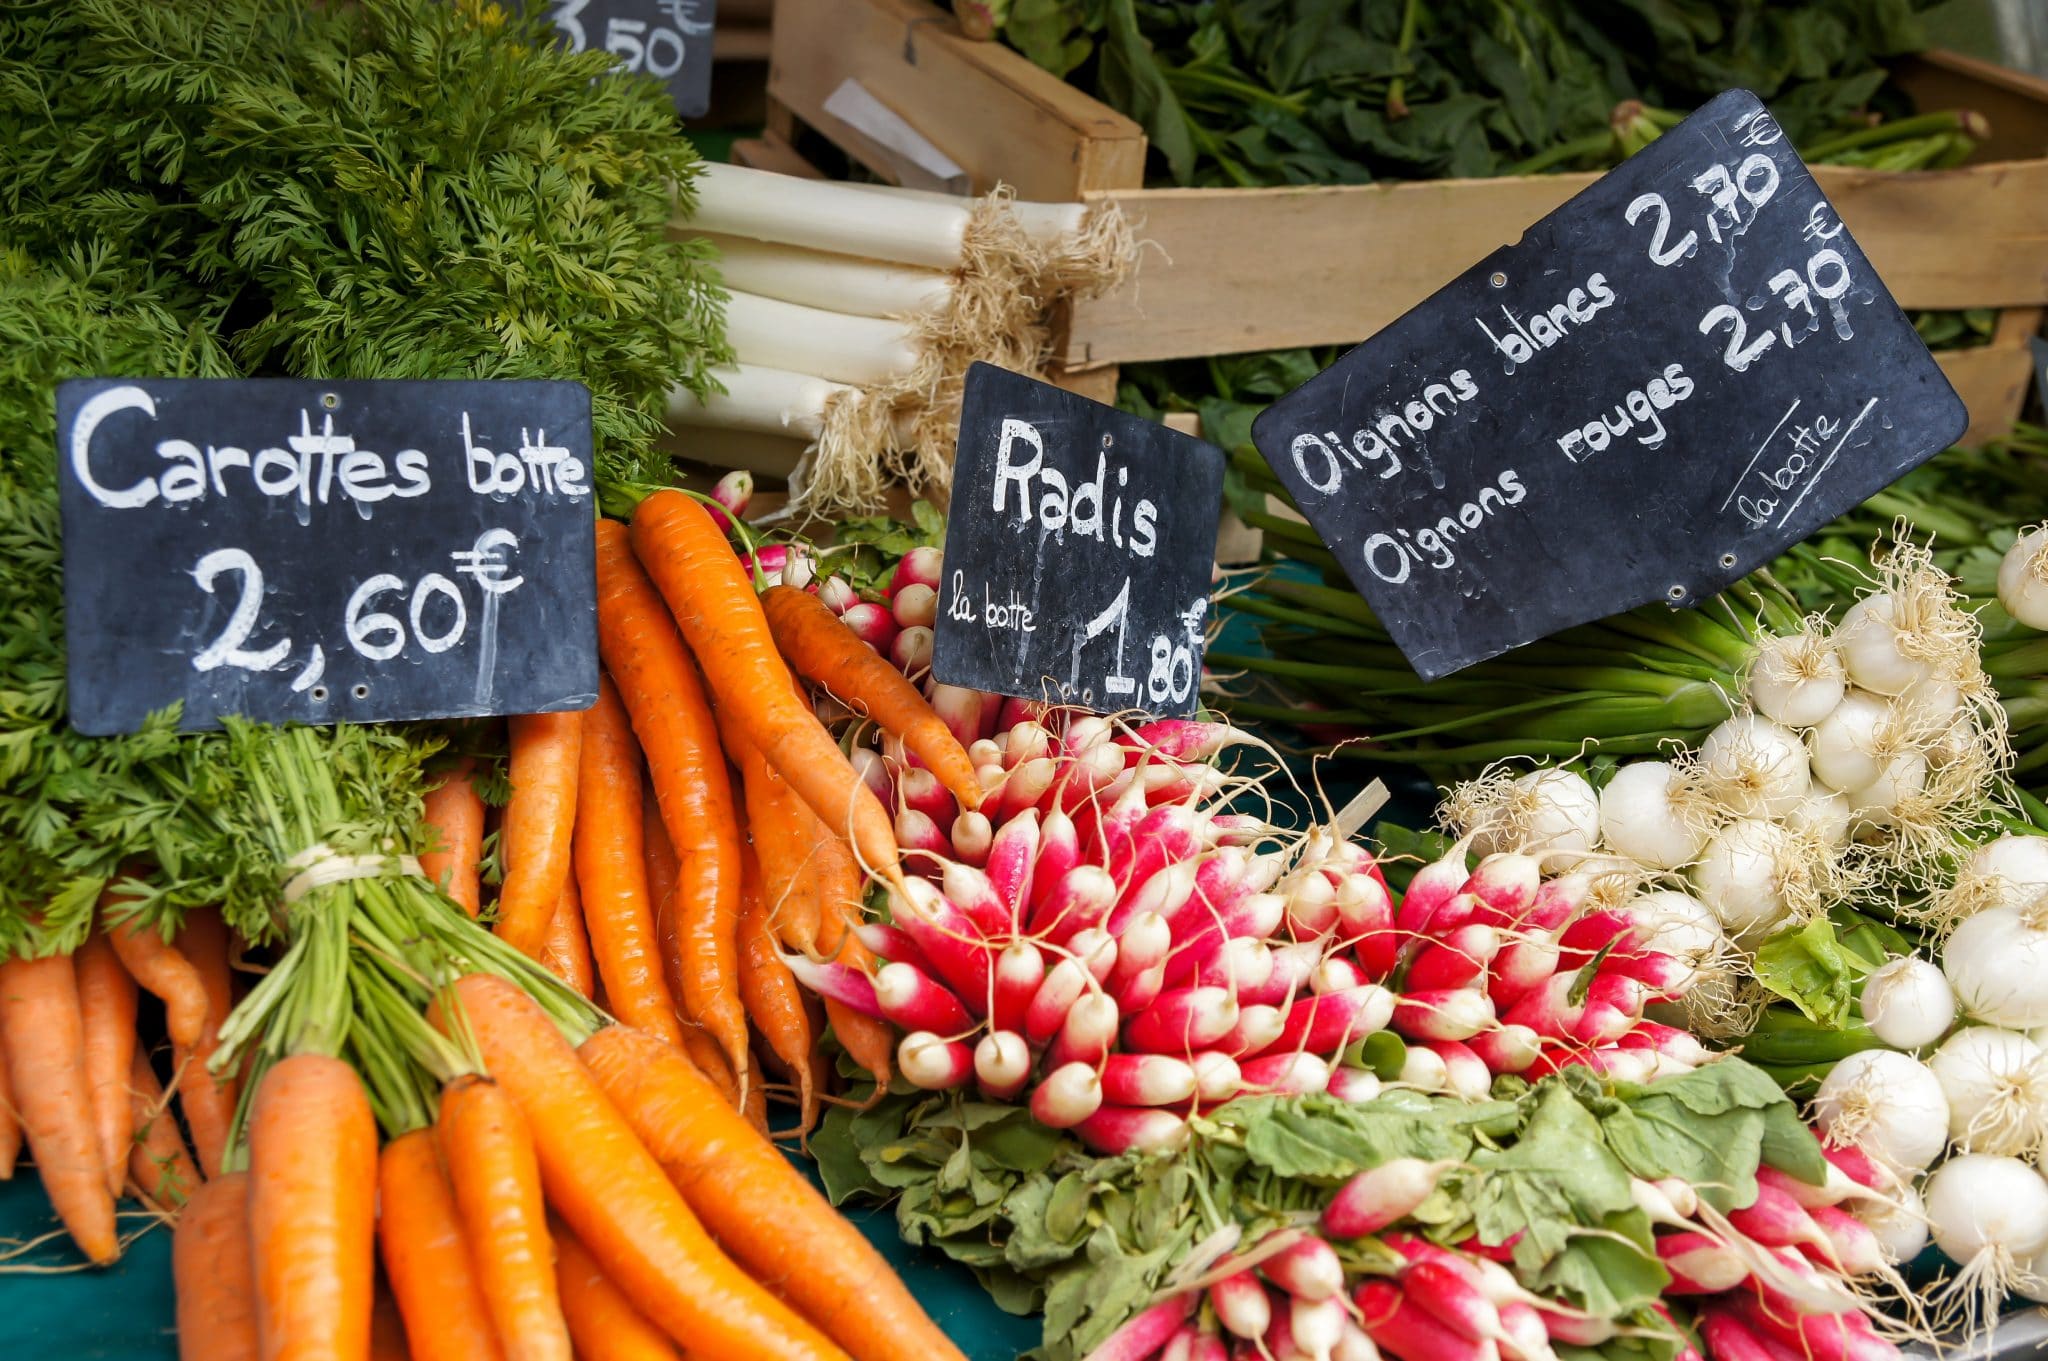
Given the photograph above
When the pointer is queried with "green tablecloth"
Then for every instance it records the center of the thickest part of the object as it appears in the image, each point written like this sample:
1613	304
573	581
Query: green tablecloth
125	1313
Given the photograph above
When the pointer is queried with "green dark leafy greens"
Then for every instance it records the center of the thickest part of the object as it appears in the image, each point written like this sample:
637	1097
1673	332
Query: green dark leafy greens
386	189
1270	92
1046	1225
392	189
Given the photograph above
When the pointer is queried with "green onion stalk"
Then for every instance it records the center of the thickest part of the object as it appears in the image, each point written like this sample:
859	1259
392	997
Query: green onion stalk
1627	685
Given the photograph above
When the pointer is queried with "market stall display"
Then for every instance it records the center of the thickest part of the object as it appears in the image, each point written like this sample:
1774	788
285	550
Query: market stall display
1696	1016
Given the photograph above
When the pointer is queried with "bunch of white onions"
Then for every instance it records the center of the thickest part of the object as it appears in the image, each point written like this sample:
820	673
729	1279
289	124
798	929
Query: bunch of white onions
855	311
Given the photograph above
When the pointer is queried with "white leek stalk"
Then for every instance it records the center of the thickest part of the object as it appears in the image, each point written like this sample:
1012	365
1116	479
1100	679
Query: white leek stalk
836	283
909	229
865	351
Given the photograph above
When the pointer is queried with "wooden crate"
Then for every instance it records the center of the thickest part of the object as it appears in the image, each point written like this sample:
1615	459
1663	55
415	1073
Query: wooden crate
1231	270
1992	379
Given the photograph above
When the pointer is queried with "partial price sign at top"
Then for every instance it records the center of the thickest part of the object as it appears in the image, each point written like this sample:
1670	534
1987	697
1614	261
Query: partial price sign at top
289	549
1682	371
1079	548
667	39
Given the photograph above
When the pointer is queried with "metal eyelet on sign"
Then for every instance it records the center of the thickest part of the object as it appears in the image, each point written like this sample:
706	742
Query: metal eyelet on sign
1676	593
360	691
1499	280
1727	560
330	400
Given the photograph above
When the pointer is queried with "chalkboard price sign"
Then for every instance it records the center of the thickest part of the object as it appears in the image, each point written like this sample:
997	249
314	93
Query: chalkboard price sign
1078	551
289	549
667	39
1682	371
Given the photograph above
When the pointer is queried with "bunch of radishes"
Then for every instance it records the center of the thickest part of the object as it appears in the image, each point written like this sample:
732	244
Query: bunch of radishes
1773	1278
1105	940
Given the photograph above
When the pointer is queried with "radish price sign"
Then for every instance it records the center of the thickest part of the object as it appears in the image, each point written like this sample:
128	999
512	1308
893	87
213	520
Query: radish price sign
1684	370
1078	551
285	549
667	39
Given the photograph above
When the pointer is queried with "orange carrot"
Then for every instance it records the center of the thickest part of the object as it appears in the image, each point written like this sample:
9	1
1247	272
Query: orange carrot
602	1321
611	870
455	822
762	1209
871	1042
490	1160
312	1210
833	655
841	890
710	1061
208	1098
44	1036
715	606
164	972
616	1199
426	1257
106	1007
686	761
212	1265
775	1003
566	951
539	821
663	875
158	1164
784	831
10	1126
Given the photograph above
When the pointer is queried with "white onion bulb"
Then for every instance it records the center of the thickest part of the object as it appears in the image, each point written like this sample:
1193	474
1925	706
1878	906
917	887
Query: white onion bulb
1908	1003
1679	925
1845	744
1870	640
1740	876
1998	964
2015	866
1823	814
1997	1089
2023	579
1887	1104
1796	679
1641	819
1552	809
1758	768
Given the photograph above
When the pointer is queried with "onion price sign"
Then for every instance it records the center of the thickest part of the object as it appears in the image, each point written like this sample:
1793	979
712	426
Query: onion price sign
667	39
1078	551
283	549
1685	369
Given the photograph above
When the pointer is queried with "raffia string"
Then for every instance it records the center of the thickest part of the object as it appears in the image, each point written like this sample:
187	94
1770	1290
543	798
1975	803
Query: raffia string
320	865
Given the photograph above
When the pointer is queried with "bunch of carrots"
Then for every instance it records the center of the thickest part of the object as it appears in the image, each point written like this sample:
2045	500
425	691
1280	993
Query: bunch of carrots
77	1081
548	1181
667	849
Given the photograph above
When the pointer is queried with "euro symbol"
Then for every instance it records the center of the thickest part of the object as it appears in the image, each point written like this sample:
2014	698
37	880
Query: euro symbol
482	562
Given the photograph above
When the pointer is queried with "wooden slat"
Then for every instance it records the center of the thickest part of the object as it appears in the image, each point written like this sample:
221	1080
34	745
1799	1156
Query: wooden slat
1097	384
2015	103
1260	269
740	44
992	111
770	152
1992	379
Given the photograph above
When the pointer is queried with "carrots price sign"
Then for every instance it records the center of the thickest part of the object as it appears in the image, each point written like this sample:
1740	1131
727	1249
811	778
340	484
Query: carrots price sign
323	551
